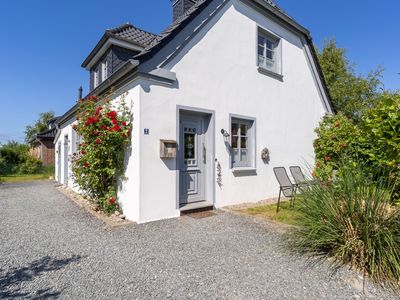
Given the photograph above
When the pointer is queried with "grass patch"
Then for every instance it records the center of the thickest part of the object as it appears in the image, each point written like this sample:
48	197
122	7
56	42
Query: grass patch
287	215
23	178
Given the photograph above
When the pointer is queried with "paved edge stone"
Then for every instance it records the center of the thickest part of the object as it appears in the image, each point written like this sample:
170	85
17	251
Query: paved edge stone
111	221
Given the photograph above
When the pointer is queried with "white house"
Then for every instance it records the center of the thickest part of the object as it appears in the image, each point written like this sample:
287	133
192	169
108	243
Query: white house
226	80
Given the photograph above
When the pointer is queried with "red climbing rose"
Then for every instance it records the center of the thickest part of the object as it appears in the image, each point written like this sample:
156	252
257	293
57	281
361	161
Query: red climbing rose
112	114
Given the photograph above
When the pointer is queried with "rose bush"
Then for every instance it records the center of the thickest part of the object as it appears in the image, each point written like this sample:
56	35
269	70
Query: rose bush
338	137
98	165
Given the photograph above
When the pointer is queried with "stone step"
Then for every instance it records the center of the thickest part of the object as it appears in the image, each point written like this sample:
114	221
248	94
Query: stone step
196	207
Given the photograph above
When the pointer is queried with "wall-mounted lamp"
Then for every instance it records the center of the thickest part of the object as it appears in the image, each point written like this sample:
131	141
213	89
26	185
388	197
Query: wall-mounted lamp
225	134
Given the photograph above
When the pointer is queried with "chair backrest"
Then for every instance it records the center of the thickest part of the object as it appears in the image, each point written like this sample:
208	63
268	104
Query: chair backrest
297	174
282	177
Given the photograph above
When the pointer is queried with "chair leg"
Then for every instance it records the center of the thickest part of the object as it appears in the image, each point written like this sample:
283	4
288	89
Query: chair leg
291	199
279	200
294	191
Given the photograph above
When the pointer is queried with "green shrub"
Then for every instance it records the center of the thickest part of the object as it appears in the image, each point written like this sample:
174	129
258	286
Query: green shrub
3	165
353	221
30	166
48	170
381	138
381	125
14	153
337	137
373	143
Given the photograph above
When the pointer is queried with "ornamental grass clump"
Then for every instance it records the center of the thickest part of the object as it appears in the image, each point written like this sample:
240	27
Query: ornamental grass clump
97	167
353	221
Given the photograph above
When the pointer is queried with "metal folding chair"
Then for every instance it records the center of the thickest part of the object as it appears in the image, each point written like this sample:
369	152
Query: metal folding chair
299	178
286	187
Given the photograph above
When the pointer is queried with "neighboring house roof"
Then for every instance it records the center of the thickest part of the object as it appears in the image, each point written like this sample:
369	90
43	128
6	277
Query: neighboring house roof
53	120
45	135
48	134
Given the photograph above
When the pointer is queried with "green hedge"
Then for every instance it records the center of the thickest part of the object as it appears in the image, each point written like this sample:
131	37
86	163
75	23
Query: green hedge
373	143
15	159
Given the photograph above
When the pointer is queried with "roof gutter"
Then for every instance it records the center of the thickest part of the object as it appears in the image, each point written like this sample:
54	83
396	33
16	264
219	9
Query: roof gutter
320	73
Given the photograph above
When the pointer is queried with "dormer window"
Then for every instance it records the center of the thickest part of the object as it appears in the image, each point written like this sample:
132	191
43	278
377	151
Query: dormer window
268	50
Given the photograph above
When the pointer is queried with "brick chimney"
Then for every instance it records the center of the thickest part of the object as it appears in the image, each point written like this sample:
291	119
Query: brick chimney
180	7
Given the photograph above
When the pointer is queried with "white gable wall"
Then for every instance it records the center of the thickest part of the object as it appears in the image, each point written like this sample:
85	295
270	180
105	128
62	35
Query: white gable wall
217	71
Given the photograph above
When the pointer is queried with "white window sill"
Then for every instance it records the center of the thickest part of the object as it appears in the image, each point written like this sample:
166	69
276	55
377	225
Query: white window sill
270	73
244	170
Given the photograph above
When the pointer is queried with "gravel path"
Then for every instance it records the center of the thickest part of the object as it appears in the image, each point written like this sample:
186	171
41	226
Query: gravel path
51	248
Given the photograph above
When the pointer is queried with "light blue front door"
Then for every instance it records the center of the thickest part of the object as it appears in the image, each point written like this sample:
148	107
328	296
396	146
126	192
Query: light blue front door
192	159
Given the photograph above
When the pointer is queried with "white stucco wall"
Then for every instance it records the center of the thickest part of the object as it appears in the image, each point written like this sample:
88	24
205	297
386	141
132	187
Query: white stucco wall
65	129
128	194
217	71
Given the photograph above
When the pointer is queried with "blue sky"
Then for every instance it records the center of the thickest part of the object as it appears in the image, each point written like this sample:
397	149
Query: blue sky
44	43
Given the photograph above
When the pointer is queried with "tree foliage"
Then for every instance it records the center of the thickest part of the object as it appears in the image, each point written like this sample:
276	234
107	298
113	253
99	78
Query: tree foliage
351	93
381	132
39	126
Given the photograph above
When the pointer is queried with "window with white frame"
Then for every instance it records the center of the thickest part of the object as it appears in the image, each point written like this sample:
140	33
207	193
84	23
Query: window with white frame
74	137
242	142
268	51
104	70
96	78
78	142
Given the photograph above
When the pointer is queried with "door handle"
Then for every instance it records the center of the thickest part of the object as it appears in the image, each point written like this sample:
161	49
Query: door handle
204	154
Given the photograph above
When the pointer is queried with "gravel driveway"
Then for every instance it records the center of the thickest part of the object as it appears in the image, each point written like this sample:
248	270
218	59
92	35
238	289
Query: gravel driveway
51	248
